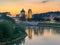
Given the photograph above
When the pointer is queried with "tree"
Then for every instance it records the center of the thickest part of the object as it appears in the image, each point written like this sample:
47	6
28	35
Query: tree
6	29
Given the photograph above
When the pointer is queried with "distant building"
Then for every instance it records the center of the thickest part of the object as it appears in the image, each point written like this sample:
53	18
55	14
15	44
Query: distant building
17	17
29	13
22	12
5	14
41	17
23	18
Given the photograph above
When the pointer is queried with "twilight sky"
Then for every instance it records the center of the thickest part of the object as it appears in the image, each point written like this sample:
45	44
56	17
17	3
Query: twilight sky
37	6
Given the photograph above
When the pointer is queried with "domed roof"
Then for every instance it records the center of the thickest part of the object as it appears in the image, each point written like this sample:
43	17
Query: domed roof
22	10
29	10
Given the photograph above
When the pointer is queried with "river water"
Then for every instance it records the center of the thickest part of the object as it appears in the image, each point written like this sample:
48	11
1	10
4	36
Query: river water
39	36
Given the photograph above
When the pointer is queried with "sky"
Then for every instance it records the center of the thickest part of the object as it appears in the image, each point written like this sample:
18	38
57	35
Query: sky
37	6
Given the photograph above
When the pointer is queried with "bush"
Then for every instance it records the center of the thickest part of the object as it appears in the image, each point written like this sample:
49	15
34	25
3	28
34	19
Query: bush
6	29
9	30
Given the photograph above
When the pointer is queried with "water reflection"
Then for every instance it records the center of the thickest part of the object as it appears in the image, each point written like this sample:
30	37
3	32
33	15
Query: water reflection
30	33
40	36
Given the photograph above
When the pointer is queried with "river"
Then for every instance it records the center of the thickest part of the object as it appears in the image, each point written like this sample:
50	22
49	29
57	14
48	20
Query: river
39	36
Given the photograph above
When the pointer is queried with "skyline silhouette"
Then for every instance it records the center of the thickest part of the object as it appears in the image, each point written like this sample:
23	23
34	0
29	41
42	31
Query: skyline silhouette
37	6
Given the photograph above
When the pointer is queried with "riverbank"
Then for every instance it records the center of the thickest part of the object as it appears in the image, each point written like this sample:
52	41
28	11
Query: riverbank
18	33
18	38
49	24
10	31
35	23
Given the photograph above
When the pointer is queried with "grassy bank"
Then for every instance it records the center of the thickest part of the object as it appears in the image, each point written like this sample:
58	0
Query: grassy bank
9	30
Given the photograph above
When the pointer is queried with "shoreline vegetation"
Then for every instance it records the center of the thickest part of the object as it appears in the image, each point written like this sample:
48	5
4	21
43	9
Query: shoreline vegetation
10	31
18	38
49	24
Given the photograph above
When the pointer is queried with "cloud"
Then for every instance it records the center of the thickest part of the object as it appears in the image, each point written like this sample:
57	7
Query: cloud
45	1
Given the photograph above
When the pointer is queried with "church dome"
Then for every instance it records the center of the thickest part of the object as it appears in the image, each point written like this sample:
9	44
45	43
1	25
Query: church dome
22	10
